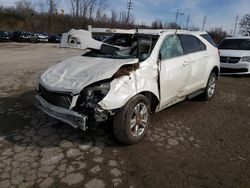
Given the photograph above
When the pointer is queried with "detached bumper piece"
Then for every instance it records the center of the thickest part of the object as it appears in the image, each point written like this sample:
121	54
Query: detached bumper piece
68	116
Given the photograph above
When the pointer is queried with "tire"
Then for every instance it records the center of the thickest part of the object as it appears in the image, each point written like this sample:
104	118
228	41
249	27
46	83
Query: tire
128	127
210	88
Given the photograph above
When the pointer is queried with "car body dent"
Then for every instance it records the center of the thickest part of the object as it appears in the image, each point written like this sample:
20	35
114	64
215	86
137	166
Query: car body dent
144	79
74	74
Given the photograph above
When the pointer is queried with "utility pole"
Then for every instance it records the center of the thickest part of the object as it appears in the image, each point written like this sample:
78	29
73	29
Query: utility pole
188	17
204	23
236	23
182	14
177	15
51	12
129	7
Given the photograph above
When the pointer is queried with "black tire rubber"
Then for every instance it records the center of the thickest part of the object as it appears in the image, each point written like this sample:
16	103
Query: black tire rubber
204	96
121	123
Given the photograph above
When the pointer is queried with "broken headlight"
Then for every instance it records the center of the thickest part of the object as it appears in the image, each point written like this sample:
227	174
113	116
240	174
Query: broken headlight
92	95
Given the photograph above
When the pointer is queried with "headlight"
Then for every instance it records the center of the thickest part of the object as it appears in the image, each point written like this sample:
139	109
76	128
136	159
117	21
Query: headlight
93	94
245	59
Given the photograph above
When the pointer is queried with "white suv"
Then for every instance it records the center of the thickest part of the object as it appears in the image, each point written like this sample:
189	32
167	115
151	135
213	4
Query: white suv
127	77
235	56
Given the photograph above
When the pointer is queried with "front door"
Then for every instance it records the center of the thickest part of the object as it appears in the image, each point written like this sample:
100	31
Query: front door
174	71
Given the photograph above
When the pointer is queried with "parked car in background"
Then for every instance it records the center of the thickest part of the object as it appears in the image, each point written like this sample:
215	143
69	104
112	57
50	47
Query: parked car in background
235	56
126	78
39	37
5	36
55	38
21	36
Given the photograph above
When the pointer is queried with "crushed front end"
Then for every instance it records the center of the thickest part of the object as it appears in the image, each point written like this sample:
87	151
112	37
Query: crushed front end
79	111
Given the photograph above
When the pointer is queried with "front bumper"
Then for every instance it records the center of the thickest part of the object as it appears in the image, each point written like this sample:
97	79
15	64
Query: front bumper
241	68
70	117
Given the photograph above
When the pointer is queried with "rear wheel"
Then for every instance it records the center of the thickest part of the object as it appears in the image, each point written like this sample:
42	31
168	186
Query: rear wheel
210	88
131	121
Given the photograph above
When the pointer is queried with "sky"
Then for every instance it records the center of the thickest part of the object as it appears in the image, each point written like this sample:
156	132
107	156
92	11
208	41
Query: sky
219	13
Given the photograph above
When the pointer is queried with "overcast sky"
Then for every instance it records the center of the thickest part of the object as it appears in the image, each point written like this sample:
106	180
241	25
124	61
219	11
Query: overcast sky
218	12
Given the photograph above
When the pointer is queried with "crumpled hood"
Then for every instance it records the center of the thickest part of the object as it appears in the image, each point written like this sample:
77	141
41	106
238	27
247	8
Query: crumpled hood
74	74
235	53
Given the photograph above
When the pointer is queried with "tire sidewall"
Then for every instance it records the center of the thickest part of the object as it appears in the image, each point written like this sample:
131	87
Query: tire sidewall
210	77
126	113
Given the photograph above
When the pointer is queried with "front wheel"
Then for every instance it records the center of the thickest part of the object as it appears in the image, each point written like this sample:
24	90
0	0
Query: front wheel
210	88
131	121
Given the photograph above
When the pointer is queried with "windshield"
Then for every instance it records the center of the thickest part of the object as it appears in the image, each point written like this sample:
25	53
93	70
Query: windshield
125	46
235	44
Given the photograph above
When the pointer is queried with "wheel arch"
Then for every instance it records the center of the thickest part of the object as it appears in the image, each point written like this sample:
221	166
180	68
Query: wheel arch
154	100
216	70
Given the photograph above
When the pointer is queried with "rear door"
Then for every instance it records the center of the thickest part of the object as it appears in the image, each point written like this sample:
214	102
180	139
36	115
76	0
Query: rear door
174	70
196	50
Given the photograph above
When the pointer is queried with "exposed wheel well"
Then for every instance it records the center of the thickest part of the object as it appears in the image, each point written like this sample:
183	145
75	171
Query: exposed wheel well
152	98
216	71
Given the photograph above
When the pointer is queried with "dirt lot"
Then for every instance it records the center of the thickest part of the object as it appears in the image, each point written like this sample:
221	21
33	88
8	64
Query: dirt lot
192	144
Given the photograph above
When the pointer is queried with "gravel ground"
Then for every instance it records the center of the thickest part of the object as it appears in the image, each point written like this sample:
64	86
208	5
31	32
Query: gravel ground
192	144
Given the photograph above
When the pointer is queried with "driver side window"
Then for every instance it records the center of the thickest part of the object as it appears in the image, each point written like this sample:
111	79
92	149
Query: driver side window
171	48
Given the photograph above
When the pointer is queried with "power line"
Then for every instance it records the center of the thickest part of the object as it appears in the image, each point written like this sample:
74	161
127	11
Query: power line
236	23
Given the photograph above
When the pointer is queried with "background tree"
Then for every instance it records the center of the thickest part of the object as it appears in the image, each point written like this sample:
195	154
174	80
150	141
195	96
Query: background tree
245	25
217	34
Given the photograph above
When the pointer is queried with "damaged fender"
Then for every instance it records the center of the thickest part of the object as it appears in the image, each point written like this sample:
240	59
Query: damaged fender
124	88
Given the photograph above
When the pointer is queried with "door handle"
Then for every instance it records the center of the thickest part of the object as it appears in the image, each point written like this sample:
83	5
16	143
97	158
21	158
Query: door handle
185	63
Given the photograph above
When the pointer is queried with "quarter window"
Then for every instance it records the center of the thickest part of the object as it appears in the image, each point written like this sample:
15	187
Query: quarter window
191	44
171	47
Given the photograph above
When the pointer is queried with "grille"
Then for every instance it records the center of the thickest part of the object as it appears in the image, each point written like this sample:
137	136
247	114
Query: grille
57	99
228	70
229	59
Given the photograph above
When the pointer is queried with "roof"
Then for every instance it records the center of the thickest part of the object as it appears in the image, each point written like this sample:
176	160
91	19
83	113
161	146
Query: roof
133	31
244	37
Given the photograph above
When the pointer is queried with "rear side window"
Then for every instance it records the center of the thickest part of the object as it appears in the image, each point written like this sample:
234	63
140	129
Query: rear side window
209	39
191	44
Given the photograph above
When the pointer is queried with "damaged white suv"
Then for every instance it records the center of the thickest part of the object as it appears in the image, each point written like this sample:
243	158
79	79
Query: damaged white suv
127	77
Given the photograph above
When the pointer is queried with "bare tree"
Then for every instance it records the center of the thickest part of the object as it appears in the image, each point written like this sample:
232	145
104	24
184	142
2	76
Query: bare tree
92	7
217	34
102	5
24	6
245	25
157	24
114	17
